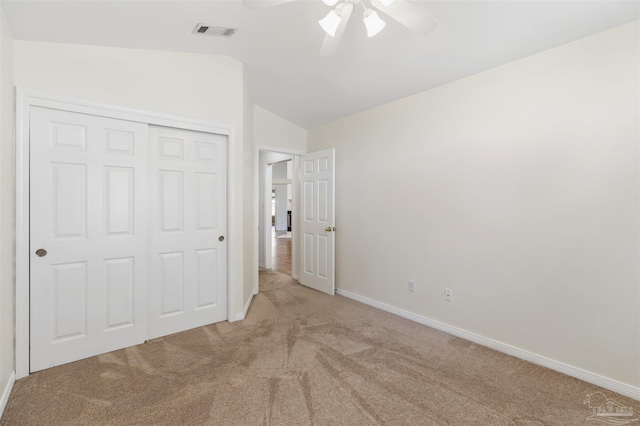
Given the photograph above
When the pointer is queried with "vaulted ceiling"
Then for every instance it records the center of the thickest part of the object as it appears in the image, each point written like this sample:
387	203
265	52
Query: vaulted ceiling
279	45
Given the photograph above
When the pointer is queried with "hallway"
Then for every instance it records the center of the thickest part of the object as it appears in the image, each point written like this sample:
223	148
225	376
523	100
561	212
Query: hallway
281	252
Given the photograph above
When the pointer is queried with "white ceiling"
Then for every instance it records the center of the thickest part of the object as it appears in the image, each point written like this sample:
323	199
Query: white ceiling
279	45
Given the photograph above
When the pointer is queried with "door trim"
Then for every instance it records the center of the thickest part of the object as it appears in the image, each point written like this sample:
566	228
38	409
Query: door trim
295	153
25	99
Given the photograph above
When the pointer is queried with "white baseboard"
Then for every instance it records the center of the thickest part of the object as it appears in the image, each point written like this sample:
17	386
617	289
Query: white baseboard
7	392
242	315
569	370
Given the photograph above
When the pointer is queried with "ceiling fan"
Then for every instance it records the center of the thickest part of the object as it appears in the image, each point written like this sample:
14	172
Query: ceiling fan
334	24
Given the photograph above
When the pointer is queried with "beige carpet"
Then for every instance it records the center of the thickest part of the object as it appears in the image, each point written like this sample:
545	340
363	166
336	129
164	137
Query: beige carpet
300	358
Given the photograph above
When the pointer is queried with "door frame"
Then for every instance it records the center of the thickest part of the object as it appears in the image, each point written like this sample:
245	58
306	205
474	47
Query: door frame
25	99
295	154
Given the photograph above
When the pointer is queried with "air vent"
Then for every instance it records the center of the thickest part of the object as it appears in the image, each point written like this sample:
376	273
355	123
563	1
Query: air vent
212	30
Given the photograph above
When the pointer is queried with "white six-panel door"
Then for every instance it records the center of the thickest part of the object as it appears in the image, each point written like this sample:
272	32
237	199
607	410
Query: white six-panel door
317	221
88	211
188	229
131	218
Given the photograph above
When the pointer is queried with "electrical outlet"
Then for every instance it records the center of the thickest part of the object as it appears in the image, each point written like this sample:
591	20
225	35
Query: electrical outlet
448	295
412	286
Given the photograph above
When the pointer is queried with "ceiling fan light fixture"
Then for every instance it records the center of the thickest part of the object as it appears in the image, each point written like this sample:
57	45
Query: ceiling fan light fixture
334	2
373	22
330	23
386	3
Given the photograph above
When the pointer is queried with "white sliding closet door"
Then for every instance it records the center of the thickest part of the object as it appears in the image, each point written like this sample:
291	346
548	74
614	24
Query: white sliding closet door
88	236
127	233
188	223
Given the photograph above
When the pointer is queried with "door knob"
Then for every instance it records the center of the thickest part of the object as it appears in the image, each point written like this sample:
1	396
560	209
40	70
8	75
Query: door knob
328	229
220	238
41	252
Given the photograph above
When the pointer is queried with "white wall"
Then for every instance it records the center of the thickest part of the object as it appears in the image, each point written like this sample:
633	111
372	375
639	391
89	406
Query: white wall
518	188
276	132
281	207
279	174
249	229
203	87
280	171
290	185
7	207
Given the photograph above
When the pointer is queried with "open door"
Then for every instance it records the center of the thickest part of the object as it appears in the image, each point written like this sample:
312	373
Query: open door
318	221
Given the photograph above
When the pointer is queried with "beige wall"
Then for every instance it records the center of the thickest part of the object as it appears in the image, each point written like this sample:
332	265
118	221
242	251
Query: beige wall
203	87
518	188
7	205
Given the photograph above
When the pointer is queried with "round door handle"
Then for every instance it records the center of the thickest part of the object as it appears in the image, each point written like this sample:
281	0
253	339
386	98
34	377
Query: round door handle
220	238
328	229
41	252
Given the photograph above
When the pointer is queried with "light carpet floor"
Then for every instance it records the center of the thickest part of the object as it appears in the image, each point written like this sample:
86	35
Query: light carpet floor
302	358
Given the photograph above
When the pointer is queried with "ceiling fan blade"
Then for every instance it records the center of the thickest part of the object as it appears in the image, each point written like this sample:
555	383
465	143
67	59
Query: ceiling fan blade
262	4
412	17
330	44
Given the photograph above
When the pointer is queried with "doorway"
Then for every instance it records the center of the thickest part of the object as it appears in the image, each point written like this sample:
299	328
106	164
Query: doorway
277	200
281	214
313	196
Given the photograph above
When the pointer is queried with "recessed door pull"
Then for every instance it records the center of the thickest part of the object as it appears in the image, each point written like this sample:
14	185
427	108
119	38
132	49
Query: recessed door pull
41	252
